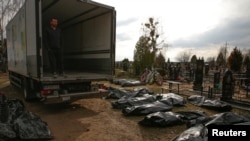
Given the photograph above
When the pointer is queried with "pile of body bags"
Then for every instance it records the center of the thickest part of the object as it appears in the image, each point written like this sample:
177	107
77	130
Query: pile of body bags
18	124
157	111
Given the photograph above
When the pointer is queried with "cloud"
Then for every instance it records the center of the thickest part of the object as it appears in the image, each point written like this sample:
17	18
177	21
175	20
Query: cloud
123	37
235	31
200	26
126	22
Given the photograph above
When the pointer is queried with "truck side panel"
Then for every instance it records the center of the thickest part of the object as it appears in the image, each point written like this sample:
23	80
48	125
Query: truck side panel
16	43
32	44
22	41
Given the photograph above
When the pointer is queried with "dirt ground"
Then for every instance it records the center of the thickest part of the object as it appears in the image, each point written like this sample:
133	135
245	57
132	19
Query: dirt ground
94	119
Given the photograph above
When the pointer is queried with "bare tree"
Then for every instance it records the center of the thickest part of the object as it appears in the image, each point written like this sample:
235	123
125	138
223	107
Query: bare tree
7	10
210	59
223	54
183	56
211	62
246	51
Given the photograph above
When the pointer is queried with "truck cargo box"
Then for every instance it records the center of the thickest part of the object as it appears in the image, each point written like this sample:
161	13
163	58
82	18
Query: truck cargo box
88	33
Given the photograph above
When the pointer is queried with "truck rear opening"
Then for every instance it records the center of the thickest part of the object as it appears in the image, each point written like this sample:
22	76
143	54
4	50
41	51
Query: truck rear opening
88	37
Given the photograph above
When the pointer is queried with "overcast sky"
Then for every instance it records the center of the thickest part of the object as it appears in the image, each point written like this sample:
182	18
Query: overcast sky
199	26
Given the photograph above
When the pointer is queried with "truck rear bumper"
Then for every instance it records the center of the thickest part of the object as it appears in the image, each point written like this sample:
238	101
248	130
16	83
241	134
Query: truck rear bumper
67	98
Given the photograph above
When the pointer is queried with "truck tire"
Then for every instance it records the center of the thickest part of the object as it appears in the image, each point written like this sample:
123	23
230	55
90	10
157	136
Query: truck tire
26	90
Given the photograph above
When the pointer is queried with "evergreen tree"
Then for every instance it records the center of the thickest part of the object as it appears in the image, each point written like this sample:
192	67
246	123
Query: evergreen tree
142	56
235	60
146	48
160	61
220	61
246	60
125	64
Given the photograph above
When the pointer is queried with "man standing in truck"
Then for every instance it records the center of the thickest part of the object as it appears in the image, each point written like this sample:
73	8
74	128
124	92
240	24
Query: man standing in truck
53	45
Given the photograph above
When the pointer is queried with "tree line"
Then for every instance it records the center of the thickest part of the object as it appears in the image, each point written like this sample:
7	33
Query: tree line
147	53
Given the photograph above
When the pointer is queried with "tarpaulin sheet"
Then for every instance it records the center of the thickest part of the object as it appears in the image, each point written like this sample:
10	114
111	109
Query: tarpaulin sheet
215	104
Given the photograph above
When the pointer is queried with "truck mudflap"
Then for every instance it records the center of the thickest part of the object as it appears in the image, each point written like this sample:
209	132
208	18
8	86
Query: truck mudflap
68	98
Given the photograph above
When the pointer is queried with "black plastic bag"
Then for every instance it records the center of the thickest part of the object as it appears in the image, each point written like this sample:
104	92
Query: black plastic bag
172	99
6	132
228	118
161	119
30	126
216	105
198	132
147	108
164	119
133	101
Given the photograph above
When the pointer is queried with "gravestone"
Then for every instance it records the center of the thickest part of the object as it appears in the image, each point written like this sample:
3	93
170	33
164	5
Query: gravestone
247	81
198	75
170	69
217	80
206	69
191	74
177	71
227	86
217	85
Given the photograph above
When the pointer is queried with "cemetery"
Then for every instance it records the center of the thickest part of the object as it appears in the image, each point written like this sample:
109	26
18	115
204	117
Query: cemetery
188	79
199	95
178	100
225	85
216	90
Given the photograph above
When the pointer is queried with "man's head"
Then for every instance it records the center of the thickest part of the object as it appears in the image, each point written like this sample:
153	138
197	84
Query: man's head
54	22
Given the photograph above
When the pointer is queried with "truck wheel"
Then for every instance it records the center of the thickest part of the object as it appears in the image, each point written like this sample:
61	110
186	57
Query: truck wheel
26	90
25	94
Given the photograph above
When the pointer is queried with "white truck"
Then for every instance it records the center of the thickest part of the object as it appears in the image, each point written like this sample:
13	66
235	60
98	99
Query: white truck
88	32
